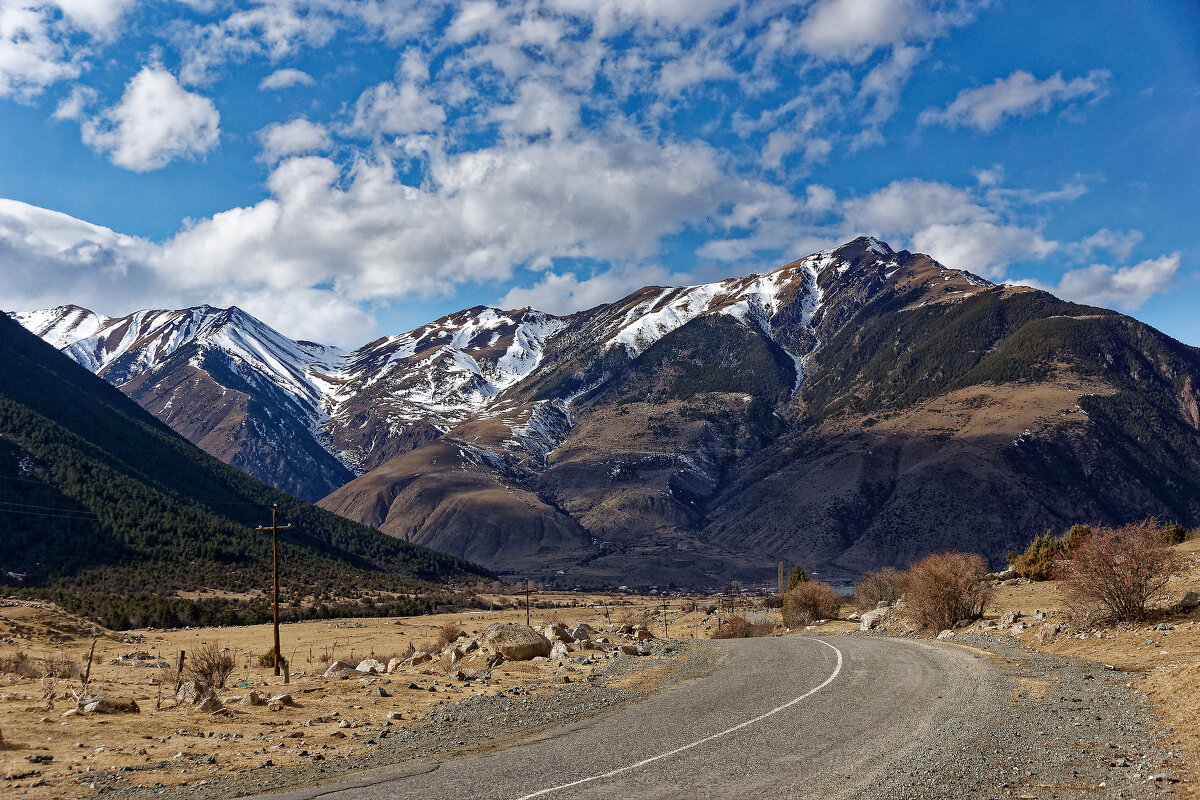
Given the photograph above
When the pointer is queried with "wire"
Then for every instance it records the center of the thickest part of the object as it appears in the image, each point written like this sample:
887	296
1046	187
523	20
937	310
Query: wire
48	508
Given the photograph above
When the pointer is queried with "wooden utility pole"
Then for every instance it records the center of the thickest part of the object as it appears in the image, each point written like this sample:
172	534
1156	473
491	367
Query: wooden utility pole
779	582
275	529
528	592
666	630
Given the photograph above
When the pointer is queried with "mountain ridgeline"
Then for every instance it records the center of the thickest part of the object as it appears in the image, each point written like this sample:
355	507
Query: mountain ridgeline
111	513
856	408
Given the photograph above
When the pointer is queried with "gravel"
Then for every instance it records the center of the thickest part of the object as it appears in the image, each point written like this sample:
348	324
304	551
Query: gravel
1089	730
479	723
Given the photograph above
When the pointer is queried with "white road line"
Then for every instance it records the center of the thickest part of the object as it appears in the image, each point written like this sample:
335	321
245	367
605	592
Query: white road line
698	742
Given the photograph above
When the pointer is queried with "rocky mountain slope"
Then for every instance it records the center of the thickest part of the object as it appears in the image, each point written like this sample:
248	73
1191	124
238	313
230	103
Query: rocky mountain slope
856	408
108	511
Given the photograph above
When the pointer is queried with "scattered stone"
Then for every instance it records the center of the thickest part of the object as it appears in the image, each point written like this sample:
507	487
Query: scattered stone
393	665
515	642
1046	633
1190	601
371	666
335	669
382	692
188	693
946	634
110	705
1009	618
629	649
560	651
395	715
641	634
210	705
420	657
254	699
39	758
871	619
582	631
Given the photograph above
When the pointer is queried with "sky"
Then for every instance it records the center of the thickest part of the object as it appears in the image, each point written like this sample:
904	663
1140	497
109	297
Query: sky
345	169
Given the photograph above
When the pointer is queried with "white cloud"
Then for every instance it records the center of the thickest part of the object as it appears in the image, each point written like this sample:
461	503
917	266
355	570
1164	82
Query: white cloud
1126	287
75	104
851	30
951	224
285	79
156	122
1020	94
403	106
539	108
565	293
297	137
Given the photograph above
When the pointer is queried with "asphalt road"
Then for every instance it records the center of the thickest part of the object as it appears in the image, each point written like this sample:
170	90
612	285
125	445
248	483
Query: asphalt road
781	717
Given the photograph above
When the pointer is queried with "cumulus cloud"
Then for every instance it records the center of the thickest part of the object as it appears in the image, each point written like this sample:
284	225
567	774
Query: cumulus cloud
402	106
296	137
952	224
1020	94
566	293
851	30
156	122
1124	287
285	79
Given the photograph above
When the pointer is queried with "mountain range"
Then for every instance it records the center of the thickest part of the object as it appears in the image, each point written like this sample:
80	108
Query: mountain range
111	513
856	408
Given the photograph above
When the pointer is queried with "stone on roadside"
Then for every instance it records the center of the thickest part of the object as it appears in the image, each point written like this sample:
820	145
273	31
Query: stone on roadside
188	693
1046	633
582	631
372	666
393	665
253	698
336	668
946	634
111	705
420	657
1008	618
210	705
629	649
515	642
641	634
560	650
872	618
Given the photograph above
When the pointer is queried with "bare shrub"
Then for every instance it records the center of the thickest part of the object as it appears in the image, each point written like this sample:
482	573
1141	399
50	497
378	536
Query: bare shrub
885	585
267	659
688	606
740	627
1117	572
209	666
809	601
59	666
20	665
944	588
772	601
448	633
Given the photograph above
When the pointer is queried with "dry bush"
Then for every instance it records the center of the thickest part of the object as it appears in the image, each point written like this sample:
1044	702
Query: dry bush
885	585
688	606
59	666
267	660
772	601
739	627
448	633
209	667
809	601
1117	572
20	665
944	588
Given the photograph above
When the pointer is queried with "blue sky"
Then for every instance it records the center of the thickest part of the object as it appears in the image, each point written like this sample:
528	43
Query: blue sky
347	169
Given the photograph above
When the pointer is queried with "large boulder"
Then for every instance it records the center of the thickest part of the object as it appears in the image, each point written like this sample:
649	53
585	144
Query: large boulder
872	618
371	665
1190	600
560	651
335	669
515	642
111	705
582	631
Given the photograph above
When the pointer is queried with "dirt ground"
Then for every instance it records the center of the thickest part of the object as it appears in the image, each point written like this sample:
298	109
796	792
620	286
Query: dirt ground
323	722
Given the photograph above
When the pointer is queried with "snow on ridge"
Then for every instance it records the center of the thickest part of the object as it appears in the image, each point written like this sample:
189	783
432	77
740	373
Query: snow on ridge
61	326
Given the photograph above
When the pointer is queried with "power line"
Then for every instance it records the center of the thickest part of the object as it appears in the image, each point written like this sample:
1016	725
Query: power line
47	508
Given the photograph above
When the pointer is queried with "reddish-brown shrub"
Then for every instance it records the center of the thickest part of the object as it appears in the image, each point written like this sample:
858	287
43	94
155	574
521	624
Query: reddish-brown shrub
885	585
1116	572
809	601
740	627
944	588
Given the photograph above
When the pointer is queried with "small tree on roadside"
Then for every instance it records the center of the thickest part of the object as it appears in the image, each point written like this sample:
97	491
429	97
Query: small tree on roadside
809	601
798	577
944	588
1117	572
885	585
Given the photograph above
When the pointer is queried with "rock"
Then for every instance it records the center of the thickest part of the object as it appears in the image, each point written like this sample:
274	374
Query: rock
641	634
395	715
582	631
1046	633
515	642
1017	629
382	692
188	693
393	665
872	618
285	699
39	758
1008	618
254	699
371	666
459	675
420	657
853	617
210	705
1004	574
706	608
630	649
946	634
883	604
559	650
111	705
336	668
558	630
468	647
1190	601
